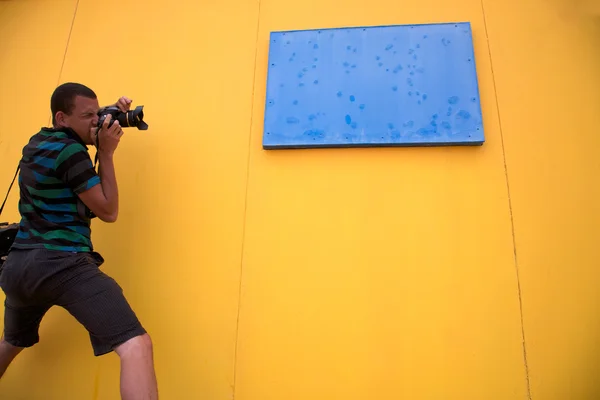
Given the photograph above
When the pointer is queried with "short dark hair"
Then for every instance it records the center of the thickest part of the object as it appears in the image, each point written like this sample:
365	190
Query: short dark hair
63	98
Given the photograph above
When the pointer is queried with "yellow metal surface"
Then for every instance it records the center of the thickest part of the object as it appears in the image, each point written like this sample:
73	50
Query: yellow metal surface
177	245
176	249
363	273
377	273
33	37
546	68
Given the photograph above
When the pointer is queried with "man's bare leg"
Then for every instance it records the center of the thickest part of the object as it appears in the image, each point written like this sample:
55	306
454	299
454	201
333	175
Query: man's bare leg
8	352
138	378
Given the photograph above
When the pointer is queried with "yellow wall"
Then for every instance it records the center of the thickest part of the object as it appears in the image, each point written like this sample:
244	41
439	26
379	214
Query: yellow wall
232	255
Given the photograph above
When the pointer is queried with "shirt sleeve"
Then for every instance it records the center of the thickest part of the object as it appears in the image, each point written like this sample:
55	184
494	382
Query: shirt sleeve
74	167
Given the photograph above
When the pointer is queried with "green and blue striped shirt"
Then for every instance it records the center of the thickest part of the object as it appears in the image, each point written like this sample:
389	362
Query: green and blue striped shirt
55	168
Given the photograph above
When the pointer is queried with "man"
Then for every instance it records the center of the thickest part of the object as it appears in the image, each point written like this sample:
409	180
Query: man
52	261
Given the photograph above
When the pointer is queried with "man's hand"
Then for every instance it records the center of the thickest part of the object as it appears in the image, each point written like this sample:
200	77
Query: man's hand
124	103
109	137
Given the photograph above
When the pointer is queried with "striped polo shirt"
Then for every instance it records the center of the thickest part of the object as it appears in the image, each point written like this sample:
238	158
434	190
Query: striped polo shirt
55	167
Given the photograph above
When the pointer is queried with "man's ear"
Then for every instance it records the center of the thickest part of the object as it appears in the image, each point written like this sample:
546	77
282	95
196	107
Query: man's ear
59	117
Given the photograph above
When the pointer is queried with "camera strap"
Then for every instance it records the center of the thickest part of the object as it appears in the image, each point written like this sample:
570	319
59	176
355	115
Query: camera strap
9	188
97	146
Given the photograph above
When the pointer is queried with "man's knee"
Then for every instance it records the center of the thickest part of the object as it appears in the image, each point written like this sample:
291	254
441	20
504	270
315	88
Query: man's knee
137	346
9	350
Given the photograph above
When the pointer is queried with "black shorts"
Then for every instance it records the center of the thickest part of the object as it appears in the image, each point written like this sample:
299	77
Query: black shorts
35	280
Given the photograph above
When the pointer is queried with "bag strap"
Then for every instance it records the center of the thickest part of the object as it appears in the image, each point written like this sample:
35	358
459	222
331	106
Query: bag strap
10	187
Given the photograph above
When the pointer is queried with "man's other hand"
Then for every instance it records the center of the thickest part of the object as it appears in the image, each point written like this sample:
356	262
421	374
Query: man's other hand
124	103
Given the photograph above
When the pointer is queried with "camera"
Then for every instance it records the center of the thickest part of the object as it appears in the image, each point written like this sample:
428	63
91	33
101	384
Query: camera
126	119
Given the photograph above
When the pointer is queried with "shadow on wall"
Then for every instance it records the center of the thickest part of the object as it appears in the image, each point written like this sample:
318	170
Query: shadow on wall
591	7
576	8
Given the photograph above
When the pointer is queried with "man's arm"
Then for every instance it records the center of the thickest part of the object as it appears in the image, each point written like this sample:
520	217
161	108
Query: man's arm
103	199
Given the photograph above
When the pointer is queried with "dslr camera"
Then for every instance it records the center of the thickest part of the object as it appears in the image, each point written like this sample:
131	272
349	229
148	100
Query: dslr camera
131	118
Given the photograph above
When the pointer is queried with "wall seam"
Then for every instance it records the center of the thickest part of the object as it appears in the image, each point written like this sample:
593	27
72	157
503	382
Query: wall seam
510	208
62	65
237	328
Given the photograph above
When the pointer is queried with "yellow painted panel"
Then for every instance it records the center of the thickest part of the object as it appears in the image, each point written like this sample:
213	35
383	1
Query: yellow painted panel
546	68
176	249
33	40
378	273
367	272
177	245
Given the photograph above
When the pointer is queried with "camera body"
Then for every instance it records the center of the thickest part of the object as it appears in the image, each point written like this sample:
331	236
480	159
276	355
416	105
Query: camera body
132	118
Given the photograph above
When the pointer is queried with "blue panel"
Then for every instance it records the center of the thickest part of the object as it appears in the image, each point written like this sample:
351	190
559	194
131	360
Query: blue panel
409	85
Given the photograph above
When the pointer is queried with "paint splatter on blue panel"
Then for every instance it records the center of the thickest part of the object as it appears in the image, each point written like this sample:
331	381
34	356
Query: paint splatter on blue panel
408	85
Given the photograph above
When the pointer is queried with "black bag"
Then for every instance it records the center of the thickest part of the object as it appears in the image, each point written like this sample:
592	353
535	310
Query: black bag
8	232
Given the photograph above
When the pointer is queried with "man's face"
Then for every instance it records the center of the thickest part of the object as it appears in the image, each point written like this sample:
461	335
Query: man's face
83	118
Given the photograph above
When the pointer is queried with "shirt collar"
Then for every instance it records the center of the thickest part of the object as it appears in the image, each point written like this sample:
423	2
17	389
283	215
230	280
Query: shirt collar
68	131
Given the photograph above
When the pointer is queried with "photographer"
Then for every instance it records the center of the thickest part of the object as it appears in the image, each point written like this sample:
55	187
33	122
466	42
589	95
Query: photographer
52	260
